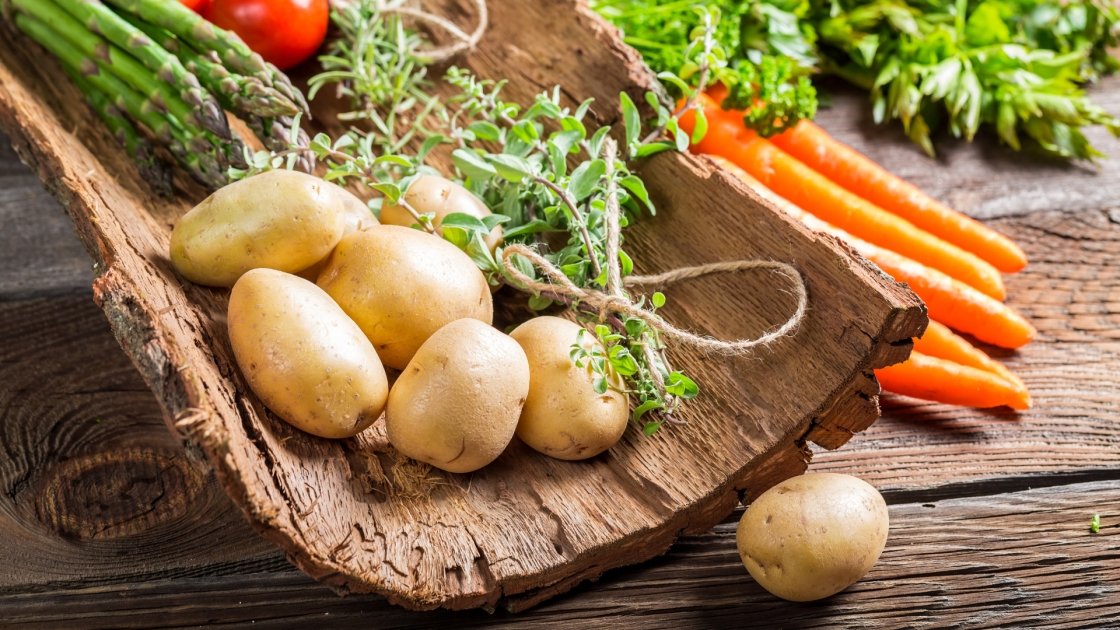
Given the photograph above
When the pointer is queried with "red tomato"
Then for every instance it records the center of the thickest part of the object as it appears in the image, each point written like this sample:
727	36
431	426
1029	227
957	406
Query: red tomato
284	32
198	6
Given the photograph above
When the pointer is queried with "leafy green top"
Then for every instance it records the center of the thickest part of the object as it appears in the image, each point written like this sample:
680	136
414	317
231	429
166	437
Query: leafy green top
772	86
1017	65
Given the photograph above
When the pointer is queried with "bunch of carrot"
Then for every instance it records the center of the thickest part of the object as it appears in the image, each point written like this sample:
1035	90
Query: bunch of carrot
949	260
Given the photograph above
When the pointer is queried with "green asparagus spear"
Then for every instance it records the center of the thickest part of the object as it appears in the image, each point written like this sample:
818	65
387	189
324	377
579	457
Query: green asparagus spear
204	36
167	68
242	95
203	165
111	58
276	134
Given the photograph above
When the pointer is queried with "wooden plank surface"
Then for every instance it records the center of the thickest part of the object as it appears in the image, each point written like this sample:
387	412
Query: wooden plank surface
989	513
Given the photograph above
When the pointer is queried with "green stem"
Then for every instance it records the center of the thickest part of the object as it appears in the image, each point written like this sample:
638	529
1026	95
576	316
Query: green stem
204	36
203	165
164	68
111	59
142	153
242	95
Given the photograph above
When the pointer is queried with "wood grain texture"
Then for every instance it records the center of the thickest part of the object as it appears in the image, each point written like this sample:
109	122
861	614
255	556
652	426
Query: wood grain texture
39	255
526	527
92	485
1067	218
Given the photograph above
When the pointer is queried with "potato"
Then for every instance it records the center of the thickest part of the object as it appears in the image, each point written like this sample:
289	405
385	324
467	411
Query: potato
440	197
456	404
305	359
356	214
813	536
357	217
402	285
280	219
564	417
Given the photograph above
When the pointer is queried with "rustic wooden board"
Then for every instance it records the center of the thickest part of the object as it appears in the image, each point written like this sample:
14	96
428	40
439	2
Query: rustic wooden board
917	461
527	527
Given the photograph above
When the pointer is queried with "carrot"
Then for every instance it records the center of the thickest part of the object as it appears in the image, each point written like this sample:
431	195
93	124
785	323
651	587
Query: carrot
815	193
948	300
941	380
856	172
940	342
956	304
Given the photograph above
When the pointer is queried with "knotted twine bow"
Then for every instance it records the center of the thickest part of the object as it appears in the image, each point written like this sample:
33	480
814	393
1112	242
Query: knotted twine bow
615	301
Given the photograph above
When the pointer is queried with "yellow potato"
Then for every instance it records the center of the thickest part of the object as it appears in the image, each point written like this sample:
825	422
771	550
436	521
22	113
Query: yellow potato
303	357
813	536
280	219
456	404
356	214
402	285
440	197
357	217
564	417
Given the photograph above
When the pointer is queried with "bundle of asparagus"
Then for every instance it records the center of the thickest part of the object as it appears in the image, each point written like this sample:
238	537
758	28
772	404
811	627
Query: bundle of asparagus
156	72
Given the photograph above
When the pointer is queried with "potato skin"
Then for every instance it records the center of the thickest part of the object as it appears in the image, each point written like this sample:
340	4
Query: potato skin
305	359
813	536
563	416
280	219
456	404
441	197
356	214
356	217
402	285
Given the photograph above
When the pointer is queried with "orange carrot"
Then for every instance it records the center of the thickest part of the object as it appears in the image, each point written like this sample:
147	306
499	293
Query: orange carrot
856	172
956	304
940	342
948	300
930	378
813	192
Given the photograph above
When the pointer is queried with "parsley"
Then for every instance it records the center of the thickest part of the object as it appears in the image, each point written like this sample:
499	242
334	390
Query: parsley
1095	524
1016	66
773	87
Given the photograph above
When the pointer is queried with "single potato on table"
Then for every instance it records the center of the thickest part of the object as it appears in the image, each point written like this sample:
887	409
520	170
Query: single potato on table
306	360
283	220
402	285
813	536
456	404
439	196
564	417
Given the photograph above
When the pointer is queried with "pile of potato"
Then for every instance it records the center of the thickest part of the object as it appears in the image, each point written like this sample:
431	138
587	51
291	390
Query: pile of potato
327	304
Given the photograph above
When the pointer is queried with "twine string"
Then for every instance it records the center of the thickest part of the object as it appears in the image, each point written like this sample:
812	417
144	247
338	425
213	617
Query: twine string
463	41
614	301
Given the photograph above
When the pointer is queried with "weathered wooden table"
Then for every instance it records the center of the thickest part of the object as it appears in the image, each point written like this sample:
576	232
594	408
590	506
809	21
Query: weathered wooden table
104	522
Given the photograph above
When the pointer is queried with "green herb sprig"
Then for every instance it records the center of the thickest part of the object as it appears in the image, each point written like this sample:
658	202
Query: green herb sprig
1016	66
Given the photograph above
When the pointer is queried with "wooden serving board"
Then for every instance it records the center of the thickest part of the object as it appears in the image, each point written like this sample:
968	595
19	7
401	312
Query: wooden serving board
526	527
